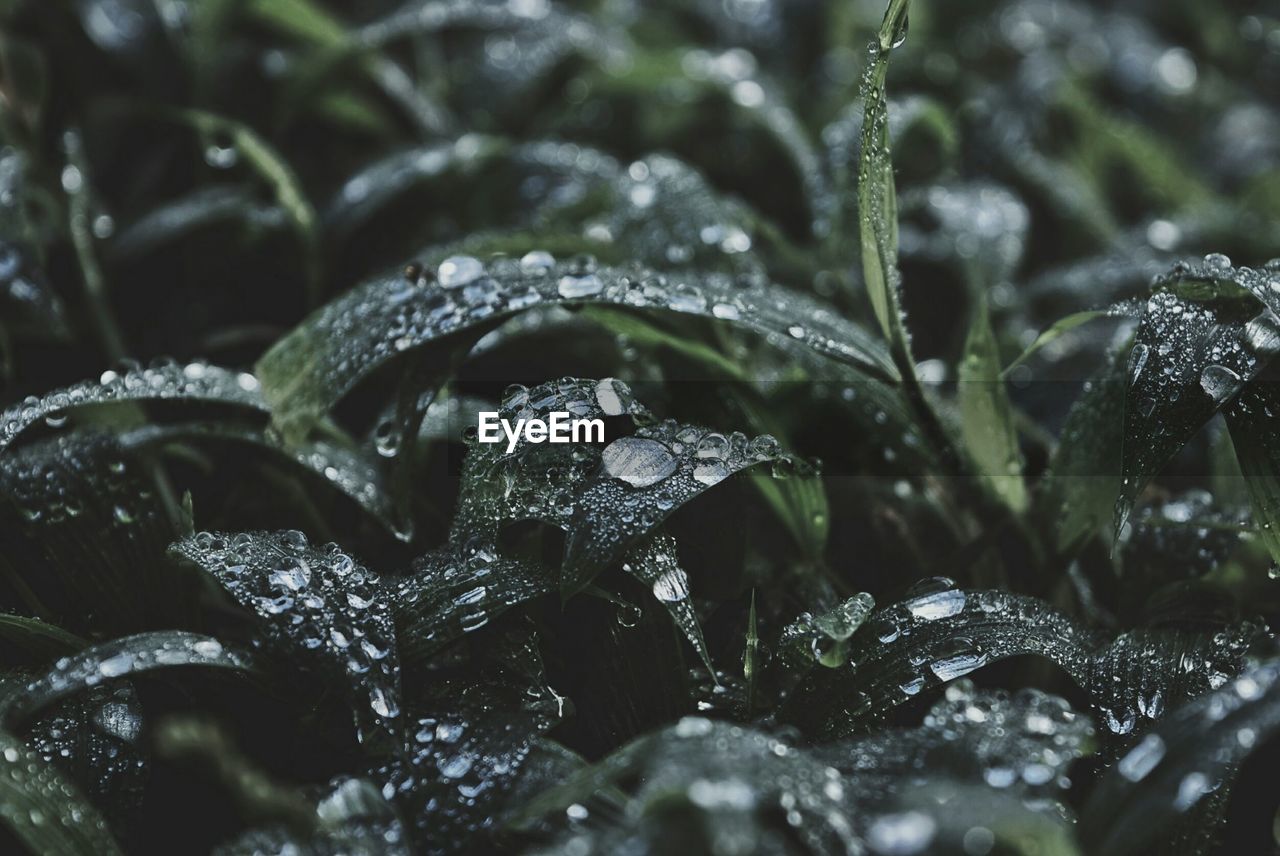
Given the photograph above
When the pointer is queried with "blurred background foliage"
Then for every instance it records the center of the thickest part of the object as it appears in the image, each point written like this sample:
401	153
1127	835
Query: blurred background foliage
225	227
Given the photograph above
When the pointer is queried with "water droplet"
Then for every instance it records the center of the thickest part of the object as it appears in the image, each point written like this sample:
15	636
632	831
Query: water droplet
709	473
1262	334
672	586
901	834
935	598
457	271
292	574
572	286
638	461
536	262
1220	383
613	396
1142	758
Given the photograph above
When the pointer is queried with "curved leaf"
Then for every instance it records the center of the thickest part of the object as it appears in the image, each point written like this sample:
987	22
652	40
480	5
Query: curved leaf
195	382
451	593
1078	494
607	500
119	658
346	469
877	198
38	638
942	633
318	604
995	757
1252	420
312	368
196	210
83	529
1193	753
986	414
1207	331
43	810
95	737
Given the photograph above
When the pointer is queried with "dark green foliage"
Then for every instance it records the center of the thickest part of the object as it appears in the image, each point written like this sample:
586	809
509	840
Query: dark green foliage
937	507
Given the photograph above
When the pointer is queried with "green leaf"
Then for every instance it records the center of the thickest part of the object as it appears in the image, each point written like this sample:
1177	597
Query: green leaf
195	383
196	210
1187	760
1207	331
464	758
43	810
119	658
852	796
1065	325
877	198
333	462
84	532
824	638
310	370
751	656
1078	494
1252	420
987	423
941	633
606	500
39	639
656	210
320	606
302	18
801	504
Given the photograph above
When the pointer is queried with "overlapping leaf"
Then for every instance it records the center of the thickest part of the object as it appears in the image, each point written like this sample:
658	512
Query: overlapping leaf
314	367
318	604
1207	331
942	632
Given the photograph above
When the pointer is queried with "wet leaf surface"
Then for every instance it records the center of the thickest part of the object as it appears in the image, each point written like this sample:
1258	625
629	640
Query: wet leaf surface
844	796
606	499
87	513
942	632
851	316
1207	331
308	372
317	603
43	810
1193	754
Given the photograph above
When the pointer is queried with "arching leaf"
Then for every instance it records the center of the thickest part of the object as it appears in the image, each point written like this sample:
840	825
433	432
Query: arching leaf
314	367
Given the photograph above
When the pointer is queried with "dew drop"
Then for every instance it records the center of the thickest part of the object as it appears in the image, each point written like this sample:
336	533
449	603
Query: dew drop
536	262
572	286
1219	383
457	271
638	461
672	586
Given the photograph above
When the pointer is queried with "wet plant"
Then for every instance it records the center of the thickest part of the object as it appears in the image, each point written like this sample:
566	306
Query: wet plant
937	507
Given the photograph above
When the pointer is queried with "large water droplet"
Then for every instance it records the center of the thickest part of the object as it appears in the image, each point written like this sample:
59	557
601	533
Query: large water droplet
1219	383
935	598
1262	334
637	461
672	586
613	396
536	262
457	271
573	286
